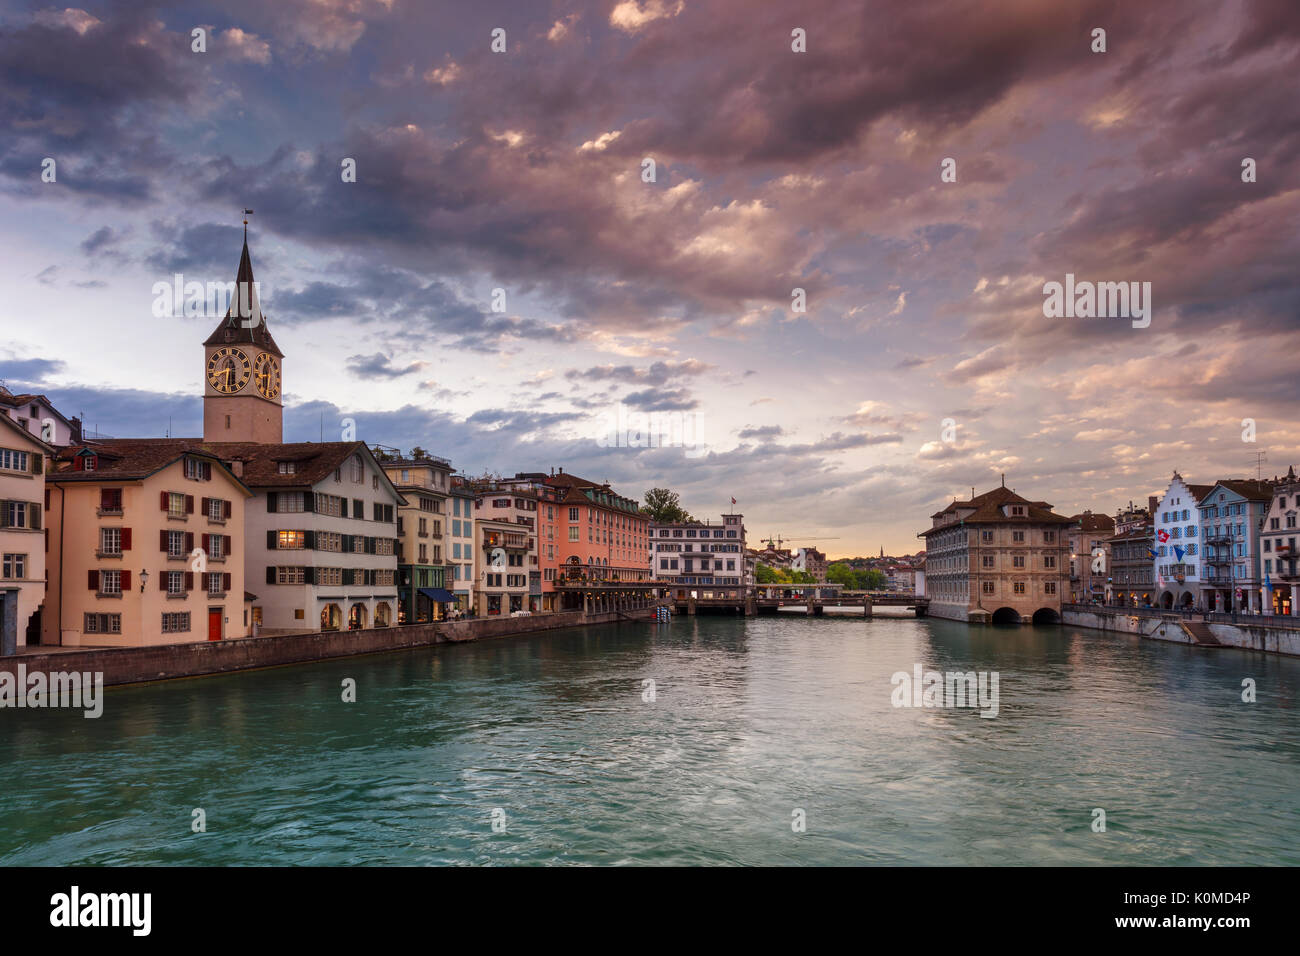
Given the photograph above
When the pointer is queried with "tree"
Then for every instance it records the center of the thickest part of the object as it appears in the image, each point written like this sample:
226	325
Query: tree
418	453
664	507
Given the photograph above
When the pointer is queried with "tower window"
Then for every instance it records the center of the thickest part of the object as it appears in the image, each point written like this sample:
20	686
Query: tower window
227	421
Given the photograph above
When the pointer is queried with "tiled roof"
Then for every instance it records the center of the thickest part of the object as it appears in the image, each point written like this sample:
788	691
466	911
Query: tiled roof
1249	488
34	439
1087	521
986	509
131	459
127	458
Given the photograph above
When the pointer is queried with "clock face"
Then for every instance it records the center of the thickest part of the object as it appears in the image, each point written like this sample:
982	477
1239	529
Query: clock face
229	370
266	375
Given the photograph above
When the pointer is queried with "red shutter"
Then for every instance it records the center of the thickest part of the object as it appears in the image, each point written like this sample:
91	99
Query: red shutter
203	505
189	504
189	541
93	582
105	504
226	508
207	471
225	582
162	580
78	464
126	539
189	580
203	539
162	540
126	581
162	495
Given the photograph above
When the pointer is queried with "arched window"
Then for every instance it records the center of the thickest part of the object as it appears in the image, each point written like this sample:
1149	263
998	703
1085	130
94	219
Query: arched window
356	617
330	617
358	470
382	614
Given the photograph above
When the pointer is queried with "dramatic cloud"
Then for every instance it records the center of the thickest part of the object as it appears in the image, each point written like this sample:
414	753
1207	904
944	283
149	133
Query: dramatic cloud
625	207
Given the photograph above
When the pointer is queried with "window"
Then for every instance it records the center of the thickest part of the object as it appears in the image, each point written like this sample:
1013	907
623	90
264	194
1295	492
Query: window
987	587
13	460
216	509
215	582
1049	560
217	547
110	500
175	582
110	540
330	576
290	576
176	622
329	505
102	624
573	516
194	469
573	534
175	505
986	560
1018	561
16	514
287	467
14	567
986	537
289	501
1049	587
290	540
358	470
110	582
1020	587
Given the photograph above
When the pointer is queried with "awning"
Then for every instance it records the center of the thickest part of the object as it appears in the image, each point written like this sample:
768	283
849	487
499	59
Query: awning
438	595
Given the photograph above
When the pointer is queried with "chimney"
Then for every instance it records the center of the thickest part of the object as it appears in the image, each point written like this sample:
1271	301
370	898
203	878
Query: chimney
75	437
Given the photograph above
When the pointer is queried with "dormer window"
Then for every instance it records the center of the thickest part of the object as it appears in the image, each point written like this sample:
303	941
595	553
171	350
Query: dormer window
1017	511
287	467
90	462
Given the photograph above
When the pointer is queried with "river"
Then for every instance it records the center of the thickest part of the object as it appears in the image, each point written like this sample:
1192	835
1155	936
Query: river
547	749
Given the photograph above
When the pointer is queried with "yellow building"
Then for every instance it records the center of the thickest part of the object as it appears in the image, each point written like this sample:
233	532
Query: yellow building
146	545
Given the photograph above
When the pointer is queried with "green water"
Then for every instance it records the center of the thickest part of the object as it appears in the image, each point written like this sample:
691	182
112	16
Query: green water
752	720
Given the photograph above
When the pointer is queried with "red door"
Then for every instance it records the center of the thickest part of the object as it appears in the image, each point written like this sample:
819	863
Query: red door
214	624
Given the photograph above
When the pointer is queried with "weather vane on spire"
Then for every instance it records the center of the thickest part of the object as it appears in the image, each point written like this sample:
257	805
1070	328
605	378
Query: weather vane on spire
247	213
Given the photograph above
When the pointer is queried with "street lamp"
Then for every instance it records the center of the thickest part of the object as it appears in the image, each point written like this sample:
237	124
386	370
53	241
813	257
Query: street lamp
144	579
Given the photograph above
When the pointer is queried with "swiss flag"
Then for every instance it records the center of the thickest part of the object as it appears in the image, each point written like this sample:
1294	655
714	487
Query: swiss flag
1163	535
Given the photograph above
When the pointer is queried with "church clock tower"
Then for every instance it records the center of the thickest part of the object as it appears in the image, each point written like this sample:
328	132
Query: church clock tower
241	370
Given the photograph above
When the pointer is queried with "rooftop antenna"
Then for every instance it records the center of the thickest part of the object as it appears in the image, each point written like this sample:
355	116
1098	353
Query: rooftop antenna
1260	458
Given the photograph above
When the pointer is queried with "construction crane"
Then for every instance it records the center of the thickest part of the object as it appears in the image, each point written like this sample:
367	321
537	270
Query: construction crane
781	540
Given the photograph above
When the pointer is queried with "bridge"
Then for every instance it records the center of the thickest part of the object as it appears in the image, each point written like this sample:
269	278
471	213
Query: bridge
813	599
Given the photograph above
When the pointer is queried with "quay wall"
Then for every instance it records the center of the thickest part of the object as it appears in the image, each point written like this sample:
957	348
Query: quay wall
130	665
1244	635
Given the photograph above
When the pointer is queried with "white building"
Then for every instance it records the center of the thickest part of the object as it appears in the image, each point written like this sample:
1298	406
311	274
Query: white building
38	416
700	556
1177	544
320	535
1278	547
22	540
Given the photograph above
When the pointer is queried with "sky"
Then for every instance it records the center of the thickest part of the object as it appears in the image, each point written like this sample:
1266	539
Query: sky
506	285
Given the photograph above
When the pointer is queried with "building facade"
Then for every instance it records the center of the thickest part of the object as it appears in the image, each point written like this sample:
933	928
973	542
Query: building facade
601	536
23	464
460	545
146	542
1278	547
37	415
422	542
1232	514
1090	558
700	558
1131	567
997	558
810	561
1176	524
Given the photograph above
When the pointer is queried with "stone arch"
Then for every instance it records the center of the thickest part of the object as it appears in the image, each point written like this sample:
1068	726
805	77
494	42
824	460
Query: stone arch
331	618
1166	600
1006	615
357	616
1046	615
